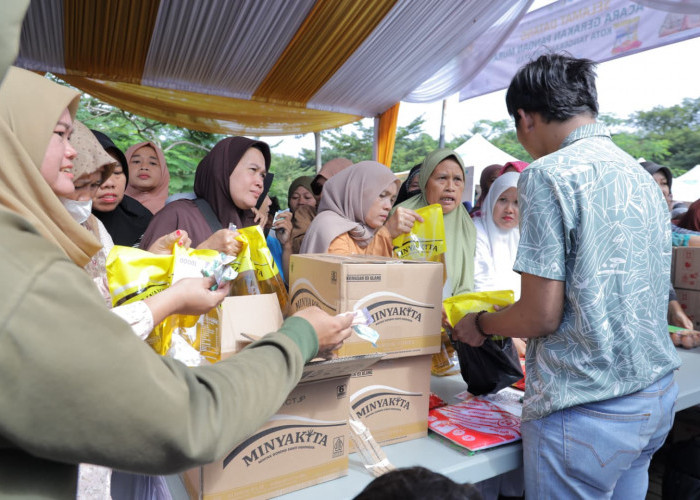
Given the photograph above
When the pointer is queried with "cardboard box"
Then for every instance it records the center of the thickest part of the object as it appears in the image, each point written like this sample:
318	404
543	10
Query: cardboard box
686	268
690	302
305	443
403	297
392	397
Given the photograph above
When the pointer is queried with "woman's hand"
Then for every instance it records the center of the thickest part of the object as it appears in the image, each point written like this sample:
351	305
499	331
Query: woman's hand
402	221
330	330
164	244
188	296
224	240
283	228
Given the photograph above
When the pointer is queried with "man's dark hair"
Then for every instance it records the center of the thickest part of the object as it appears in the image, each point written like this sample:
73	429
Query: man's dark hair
416	483
556	86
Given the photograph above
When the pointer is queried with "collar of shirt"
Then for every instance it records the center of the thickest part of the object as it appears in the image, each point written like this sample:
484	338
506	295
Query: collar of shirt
584	131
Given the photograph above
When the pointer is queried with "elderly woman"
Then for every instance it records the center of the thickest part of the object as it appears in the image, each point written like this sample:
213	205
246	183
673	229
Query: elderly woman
228	183
441	180
149	175
353	216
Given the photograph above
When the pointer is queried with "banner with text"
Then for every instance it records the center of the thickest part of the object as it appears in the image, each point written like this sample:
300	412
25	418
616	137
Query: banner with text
601	31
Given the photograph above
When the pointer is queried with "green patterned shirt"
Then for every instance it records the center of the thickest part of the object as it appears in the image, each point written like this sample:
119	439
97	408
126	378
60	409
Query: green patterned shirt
592	217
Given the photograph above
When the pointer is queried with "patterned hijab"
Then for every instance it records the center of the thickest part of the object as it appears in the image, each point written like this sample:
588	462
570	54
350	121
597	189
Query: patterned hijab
91	154
30	106
460	233
346	199
154	199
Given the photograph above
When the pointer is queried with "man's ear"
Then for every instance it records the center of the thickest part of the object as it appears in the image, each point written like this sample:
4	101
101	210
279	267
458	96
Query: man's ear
527	120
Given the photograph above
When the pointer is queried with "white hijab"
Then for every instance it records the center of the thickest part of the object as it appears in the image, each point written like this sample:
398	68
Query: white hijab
501	245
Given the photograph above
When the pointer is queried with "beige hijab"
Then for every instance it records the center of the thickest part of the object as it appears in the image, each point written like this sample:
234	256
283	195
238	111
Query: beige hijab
347	197
30	106
154	199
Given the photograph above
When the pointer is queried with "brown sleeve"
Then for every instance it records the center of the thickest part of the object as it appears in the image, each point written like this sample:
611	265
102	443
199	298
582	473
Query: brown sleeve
301	221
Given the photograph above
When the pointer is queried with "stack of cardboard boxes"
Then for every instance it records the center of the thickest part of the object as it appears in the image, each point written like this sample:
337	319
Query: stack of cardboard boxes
308	440
686	281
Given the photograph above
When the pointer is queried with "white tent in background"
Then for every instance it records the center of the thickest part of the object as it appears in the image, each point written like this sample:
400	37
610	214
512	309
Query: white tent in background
480	153
687	186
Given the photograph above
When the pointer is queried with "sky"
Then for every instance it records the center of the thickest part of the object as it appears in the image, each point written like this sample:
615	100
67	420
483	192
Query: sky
640	82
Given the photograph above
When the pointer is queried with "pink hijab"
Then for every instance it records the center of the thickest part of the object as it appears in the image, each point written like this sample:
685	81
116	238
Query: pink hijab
154	199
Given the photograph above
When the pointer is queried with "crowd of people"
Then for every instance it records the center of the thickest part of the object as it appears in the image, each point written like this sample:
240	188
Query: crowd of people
582	236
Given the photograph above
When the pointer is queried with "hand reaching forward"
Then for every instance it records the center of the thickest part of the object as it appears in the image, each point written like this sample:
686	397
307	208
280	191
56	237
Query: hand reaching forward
224	240
330	330
401	221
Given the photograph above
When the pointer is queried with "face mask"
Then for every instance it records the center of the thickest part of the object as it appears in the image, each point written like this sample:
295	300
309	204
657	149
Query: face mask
80	210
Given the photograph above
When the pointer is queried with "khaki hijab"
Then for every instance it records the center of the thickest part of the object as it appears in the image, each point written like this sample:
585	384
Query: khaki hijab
30	106
460	233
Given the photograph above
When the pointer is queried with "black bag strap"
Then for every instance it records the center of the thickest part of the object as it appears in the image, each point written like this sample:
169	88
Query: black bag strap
208	213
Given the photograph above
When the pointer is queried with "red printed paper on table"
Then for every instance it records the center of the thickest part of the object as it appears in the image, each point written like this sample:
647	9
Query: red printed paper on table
476	424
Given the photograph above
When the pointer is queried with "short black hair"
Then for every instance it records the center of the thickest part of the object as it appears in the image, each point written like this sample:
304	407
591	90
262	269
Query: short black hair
557	86
416	483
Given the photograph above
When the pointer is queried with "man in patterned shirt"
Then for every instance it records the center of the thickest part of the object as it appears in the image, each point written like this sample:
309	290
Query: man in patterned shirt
594	259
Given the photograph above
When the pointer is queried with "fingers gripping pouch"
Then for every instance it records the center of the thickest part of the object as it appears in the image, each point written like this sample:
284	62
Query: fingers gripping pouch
135	274
257	271
426	240
495	364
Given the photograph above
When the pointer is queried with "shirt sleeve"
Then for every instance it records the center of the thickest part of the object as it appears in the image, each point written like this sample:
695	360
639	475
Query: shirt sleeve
138	316
542	247
92	392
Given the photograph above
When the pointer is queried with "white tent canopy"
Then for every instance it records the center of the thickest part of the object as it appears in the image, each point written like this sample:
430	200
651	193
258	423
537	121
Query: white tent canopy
687	186
480	153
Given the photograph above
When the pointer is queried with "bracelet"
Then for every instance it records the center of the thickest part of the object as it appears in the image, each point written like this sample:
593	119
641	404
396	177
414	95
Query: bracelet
478	325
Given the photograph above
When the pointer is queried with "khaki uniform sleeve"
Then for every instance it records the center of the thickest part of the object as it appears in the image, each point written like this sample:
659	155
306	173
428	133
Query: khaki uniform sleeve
76	385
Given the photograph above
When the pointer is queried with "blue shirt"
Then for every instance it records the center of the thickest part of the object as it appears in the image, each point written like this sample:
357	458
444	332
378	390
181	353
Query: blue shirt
592	217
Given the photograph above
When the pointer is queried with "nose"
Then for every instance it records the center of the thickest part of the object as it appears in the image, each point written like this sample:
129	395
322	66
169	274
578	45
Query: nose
70	152
109	183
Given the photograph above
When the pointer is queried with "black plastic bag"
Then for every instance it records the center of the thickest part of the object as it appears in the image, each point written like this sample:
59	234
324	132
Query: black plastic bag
490	367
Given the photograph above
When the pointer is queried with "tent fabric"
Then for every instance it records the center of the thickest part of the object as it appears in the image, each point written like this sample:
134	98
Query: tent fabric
480	153
387	135
263	67
686	187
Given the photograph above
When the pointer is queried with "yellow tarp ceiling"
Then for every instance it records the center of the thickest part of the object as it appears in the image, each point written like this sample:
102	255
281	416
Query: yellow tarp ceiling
264	67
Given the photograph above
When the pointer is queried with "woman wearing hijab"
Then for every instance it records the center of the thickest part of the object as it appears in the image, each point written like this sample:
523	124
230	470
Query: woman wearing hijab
353	216
513	166
691	218
488	175
124	218
91	391
497	237
230	180
300	193
441	180
410	186
149	175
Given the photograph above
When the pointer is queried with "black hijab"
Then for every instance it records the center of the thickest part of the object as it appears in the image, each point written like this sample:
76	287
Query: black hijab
129	220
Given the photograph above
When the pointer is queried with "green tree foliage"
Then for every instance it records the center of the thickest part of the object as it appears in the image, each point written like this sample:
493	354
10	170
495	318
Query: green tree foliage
679	125
670	136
